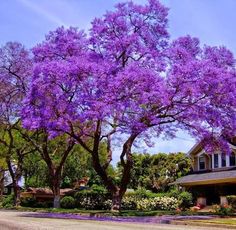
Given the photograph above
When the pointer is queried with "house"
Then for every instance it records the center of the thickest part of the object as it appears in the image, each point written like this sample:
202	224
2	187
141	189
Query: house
213	176
43	194
82	183
9	189
46	194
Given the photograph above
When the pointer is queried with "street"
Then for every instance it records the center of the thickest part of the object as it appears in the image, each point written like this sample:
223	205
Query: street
12	220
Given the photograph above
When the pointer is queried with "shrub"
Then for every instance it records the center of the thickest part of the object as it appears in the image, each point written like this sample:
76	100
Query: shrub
44	204
129	203
157	203
174	192
8	201
92	199
32	202
143	193
68	202
98	189
107	204
28	202
232	201
223	210
186	200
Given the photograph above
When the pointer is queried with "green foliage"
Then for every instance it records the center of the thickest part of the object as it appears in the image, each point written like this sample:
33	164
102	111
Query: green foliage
35	171
129	203
186	200
79	165
144	193
223	210
28	202
8	201
68	202
92	199
157	203
33	203
174	192
156	172
232	201
99	189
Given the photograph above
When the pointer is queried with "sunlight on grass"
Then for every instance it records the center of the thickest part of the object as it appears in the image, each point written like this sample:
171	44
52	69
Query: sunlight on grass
223	221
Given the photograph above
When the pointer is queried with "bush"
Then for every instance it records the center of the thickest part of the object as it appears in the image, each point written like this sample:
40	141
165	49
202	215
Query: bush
98	189
143	193
28	202
33	203
92	199
186	200
157	203
8	201
223	210
142	199
232	201
129	203
68	202
44	204
174	192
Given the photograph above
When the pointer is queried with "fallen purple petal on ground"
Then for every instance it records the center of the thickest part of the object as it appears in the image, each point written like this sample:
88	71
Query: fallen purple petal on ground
156	219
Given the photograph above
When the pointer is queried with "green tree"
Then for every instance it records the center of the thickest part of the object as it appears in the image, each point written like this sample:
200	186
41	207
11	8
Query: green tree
3	167
13	149
35	171
156	172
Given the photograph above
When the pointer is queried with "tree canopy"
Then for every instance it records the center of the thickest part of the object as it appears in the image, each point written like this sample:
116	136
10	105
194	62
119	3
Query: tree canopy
127	79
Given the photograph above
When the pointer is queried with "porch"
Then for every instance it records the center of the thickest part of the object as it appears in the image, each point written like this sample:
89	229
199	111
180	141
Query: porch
210	187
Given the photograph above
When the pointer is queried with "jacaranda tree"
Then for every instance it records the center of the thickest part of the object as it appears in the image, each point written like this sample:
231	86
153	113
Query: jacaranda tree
15	143
127	80
15	71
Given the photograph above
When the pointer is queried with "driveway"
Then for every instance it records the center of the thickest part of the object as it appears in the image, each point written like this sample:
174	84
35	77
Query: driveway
13	220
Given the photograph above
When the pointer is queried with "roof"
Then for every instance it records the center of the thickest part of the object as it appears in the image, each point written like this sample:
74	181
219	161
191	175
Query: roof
208	178
194	148
198	146
46	191
10	185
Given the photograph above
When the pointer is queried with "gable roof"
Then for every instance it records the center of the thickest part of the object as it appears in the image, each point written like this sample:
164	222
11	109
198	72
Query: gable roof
208	178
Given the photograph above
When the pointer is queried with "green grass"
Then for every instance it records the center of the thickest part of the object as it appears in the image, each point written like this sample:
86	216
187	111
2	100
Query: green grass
220	221
124	213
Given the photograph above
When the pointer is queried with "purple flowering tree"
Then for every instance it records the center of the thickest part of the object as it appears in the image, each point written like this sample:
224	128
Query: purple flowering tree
128	81
15	71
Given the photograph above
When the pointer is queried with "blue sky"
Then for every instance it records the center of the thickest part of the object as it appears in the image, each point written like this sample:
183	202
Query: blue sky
27	21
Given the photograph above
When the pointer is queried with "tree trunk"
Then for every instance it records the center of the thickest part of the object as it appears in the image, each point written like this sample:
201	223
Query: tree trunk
15	176
56	200
56	191
116	201
16	190
1	184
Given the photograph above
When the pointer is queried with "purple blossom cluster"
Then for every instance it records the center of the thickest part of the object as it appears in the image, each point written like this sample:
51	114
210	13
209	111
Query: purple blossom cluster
128	74
126	79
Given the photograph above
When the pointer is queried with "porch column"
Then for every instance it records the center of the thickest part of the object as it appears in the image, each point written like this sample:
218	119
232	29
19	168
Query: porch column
223	200
220	160
212	162
227	160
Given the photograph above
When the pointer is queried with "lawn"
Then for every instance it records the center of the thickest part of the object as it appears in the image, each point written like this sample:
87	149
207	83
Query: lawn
124	213
223	221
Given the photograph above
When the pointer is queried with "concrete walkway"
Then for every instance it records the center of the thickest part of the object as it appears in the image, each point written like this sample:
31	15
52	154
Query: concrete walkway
13	220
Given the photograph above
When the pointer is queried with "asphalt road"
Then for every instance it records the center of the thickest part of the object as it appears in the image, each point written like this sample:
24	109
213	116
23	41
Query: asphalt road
12	220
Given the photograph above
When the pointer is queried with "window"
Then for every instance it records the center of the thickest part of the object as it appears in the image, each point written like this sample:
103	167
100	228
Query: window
216	163
223	159
232	159
202	163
